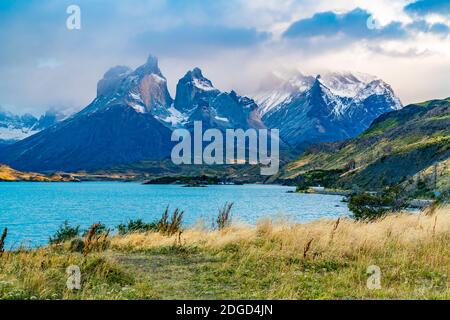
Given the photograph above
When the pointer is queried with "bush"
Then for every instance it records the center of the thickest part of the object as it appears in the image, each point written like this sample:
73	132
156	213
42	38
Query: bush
64	233
369	207
136	226
76	245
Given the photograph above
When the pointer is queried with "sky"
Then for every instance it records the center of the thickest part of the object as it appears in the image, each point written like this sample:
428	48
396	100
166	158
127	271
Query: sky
237	44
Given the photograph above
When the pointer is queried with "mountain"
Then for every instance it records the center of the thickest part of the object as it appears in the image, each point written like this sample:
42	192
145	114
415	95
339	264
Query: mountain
328	108
198	100
399	147
48	119
130	120
14	127
133	115
124	123
144	90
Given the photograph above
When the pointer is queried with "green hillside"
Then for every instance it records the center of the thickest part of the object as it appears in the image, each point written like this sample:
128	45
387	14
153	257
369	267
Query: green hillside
409	146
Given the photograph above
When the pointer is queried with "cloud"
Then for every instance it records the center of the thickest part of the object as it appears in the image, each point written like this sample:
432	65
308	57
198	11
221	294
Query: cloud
235	42
193	39
425	7
406	53
355	24
426	27
50	63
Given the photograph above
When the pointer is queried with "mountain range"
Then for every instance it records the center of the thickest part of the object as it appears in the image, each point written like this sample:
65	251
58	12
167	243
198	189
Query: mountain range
14	127
133	115
325	108
410	147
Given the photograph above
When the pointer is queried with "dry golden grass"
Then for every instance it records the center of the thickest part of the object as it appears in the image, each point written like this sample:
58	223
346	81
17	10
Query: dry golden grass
404	230
323	259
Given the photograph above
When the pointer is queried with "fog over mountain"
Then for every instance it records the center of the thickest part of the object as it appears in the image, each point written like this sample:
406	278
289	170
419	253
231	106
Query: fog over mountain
133	116
237	42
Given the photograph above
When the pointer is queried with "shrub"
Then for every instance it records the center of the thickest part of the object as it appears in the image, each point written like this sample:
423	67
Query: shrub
173	226
369	207
365	206
76	245
136	226
65	233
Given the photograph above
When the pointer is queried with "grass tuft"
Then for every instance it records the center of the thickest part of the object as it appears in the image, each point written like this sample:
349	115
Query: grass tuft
170	227
223	219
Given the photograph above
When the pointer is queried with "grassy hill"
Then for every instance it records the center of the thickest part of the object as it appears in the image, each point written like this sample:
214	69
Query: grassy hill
409	146
9	174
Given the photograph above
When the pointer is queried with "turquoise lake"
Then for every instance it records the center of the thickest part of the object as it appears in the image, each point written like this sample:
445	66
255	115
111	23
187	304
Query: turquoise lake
34	211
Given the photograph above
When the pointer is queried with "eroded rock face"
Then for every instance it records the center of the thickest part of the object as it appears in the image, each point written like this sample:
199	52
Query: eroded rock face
123	124
192	89
198	99
112	80
144	89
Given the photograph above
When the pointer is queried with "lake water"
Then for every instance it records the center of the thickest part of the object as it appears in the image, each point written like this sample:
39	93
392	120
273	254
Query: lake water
33	211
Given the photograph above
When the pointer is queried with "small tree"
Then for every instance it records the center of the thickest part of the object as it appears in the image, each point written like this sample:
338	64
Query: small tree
136	226
351	165
368	207
64	233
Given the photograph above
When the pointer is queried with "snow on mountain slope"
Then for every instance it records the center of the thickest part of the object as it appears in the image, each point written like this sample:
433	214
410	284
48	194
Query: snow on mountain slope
329	107
283	93
14	134
131	119
198	100
14	127
346	84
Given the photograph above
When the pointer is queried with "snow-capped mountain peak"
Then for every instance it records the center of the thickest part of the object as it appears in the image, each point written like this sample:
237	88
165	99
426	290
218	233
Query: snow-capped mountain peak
192	88
379	88
283	92
196	78
17	127
328	107
144	89
346	84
